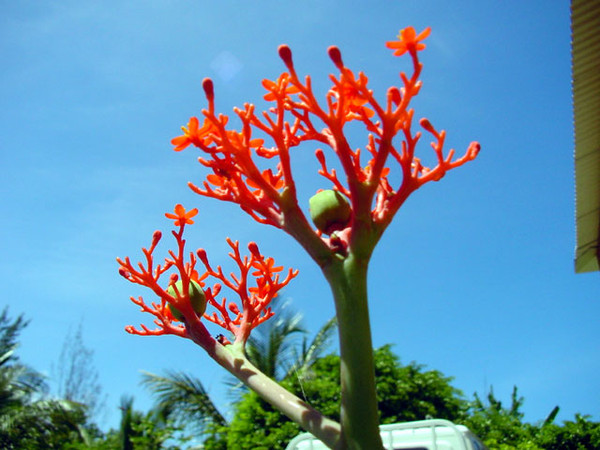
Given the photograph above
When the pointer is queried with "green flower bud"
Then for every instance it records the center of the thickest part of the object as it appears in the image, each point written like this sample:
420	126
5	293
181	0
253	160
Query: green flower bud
330	211
197	299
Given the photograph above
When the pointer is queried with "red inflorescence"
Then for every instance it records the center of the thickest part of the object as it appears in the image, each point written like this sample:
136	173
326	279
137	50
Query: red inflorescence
255	285
296	117
237	160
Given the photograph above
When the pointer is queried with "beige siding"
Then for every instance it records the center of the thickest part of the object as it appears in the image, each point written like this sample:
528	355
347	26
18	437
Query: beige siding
585	23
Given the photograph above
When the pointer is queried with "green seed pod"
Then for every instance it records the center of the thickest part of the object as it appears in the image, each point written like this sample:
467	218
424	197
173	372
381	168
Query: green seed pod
330	211
197	299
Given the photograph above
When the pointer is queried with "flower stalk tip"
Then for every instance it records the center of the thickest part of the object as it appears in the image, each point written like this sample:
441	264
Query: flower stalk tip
286	55
394	96
336	56
156	237
209	90
254	249
426	124
202	255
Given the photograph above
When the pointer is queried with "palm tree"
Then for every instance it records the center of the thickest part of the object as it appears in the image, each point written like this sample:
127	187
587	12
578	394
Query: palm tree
185	398
273	348
128	417
311	352
138	430
28	418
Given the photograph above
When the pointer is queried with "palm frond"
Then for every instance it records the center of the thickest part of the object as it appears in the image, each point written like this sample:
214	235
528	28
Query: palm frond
6	356
313	351
9	332
28	423
127	418
185	397
271	347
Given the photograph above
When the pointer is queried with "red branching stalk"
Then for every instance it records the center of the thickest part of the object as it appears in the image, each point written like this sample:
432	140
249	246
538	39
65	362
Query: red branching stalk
269	196
148	275
255	300
256	284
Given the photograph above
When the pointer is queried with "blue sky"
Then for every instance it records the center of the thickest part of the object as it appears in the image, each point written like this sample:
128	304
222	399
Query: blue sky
475	276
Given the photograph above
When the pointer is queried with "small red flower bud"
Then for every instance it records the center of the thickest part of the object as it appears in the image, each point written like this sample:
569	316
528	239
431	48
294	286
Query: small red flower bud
320	156
336	56
209	90
426	124
202	255
394	95
254	249
474	148
286	55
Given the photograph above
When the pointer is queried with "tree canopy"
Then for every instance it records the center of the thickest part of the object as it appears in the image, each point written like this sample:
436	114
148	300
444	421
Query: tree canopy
405	392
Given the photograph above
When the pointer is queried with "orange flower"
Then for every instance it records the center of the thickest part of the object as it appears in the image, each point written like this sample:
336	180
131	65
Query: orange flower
194	135
408	41
279	88
182	217
217	180
349	88
266	266
276	181
181	142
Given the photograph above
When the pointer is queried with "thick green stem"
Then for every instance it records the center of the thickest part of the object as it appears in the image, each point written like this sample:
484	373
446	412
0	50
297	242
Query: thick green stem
359	412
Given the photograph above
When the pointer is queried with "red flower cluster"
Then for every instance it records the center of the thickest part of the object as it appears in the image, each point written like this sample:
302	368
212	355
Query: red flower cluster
296	116
237	161
256	284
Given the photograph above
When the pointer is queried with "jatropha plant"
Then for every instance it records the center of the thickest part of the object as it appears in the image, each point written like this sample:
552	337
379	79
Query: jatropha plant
348	218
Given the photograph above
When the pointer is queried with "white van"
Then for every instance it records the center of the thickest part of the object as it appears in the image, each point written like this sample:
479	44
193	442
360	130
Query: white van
434	434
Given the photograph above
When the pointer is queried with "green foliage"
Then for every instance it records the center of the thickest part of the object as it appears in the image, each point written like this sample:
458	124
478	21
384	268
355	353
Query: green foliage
28	418
581	433
185	398
496	425
410	392
503	428
149	431
153	430
152	433
9	333
271	348
404	393
310	353
257	425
